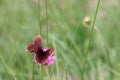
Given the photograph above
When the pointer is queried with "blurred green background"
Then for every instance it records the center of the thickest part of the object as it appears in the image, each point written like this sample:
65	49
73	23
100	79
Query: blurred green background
19	25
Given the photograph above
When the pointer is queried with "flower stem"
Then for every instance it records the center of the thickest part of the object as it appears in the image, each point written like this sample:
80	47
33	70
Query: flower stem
47	72
66	75
56	61
82	77
39	15
47	19
33	72
40	67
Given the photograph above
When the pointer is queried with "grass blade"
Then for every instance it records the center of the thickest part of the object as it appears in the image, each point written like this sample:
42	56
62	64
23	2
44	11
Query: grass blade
47	19
3	63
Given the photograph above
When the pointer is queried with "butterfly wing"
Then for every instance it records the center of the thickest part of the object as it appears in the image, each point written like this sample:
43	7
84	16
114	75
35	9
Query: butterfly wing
37	43
42	56
50	51
30	48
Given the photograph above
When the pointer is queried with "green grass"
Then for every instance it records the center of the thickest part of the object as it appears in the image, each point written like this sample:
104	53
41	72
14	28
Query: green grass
62	28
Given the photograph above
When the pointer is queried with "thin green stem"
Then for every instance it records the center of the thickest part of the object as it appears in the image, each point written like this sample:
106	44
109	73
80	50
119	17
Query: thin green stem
56	61
40	67
47	72
66	75
82	77
75	29
33	72
39	14
47	69
47	19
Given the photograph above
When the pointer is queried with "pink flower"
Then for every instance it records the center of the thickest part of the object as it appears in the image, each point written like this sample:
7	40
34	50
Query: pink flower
42	55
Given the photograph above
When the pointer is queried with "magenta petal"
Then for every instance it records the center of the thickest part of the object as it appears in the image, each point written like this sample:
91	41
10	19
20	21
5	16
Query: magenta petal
50	60
44	49
49	63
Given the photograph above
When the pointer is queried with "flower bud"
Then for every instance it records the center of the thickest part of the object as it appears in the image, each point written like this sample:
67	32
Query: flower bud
87	21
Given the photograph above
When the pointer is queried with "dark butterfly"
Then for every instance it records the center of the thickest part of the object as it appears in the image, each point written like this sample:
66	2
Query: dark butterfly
41	55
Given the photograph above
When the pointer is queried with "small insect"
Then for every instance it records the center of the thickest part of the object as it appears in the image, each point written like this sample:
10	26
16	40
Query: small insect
42	55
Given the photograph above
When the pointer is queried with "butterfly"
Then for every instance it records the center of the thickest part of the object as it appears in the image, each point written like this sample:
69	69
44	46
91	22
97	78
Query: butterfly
41	55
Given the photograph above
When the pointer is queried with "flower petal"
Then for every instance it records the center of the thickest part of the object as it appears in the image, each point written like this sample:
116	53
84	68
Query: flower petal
50	60
49	63
44	49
